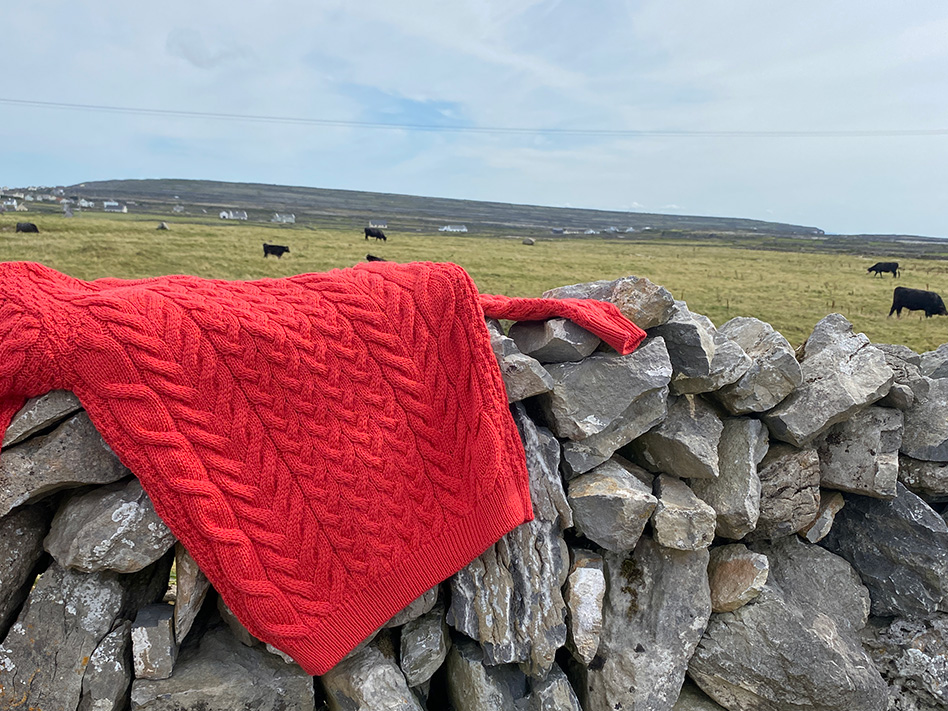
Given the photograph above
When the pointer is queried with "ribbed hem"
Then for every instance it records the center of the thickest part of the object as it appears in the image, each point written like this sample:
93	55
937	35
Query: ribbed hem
374	605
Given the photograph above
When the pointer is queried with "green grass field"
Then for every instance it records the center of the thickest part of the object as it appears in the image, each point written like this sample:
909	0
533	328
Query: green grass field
791	290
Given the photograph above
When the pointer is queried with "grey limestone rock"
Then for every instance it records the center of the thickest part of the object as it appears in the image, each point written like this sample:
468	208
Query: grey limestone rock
191	590
690	342
645	304
774	371
934	364
736	576
555	340
694	699
112	527
415	609
927	479
368	680
656	608
424	645
474	686
109	673
71	455
789	491
926	426
681	520
909	381
611	506
523	376
543	465
40	413
153	645
553	693
735	493
900	550
21	547
220	674
728	364
831	502
585	590
842	373
861	455
685	443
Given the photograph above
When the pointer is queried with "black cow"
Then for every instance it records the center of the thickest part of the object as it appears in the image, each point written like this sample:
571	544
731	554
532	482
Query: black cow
26	227
274	249
917	300
373	258
881	267
375	232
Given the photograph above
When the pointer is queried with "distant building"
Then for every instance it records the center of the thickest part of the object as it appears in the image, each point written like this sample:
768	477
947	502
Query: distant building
453	228
177	209
112	206
630	229
284	219
10	203
591	232
612	229
379	224
86	203
233	214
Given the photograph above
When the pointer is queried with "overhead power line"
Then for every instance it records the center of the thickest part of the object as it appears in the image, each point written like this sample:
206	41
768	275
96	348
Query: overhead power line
510	130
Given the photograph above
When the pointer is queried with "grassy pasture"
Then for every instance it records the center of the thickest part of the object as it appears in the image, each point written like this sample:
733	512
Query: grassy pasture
791	290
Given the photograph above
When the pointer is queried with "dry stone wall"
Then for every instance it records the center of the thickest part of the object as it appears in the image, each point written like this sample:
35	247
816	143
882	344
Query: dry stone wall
720	522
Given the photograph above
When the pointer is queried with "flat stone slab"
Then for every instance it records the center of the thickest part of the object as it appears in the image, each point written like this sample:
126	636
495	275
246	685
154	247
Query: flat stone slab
367	680
690	342
556	340
474	685
861	455
645	304
153	645
928	480
925	435
681	520
424	646
40	413
685	443
21	547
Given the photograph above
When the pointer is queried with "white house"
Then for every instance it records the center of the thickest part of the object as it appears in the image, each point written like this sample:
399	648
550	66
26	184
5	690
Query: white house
591	232
86	203
10	203
379	224
113	206
284	219
233	214
453	228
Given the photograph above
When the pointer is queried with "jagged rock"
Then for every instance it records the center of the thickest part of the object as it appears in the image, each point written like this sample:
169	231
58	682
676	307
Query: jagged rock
656	608
71	455
842	373
424	645
685	443
912	655
796	645
21	547
106	679
681	520
220	674
153	646
645	304
585	590
366	681
523	376
900	550
112	527
46	653
925	435
736	576
861	455
192	587
543	464
555	340
831	502
908	377
899	397
629	396
927	479
694	699
728	364
934	364
690	342
735	494
239	632
789	491
611	506
553	693
40	413
472	686
774	371
415	609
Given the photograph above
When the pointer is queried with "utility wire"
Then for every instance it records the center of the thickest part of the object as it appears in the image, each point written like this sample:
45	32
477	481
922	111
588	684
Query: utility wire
510	130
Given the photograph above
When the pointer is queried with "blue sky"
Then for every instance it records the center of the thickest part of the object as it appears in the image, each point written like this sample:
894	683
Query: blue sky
733	66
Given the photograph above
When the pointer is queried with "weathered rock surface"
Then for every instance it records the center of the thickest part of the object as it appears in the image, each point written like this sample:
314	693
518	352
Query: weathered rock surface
690	342
585	591
21	547
153	645
656	609
908	377
934	364
543	465
109	673
900	550
694	699
830	504
220	674
736	576
71	455
735	493
556	340
424	645
112	527
645	304
681	520
685	444
472	686
553	693
842	373
789	650
368	680
861	455
926	427
611	506
728	364
40	413
927	479
191	589
239	632
415	609
523	376
773	373
789	491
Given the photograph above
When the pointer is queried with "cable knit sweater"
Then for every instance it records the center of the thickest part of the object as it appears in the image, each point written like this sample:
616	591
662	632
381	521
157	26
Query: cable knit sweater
326	446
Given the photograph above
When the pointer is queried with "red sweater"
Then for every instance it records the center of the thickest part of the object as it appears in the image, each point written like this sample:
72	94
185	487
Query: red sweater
326	446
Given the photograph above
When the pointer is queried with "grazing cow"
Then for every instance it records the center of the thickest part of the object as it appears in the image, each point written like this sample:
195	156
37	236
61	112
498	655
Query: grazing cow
26	227
274	249
881	267
373	258
917	300
375	232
